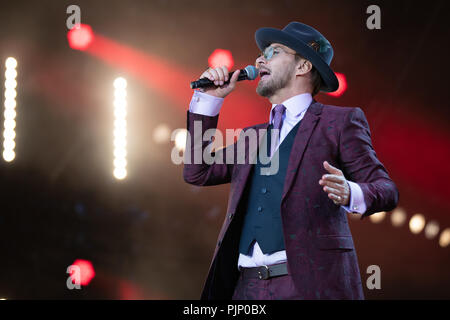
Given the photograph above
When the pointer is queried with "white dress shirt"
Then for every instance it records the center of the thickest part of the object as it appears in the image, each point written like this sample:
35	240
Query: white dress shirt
296	107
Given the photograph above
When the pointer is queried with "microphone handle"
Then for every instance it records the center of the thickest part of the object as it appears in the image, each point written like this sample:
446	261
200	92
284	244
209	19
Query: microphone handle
205	82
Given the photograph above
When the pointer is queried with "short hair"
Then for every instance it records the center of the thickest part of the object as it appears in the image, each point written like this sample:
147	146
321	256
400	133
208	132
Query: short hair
316	80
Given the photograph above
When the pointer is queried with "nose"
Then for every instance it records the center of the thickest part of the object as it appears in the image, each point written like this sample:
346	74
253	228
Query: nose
260	61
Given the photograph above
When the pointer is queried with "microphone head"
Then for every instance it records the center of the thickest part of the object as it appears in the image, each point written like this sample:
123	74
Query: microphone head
252	72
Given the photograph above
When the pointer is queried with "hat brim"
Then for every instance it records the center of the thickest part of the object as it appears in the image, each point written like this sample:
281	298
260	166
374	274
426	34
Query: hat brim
266	36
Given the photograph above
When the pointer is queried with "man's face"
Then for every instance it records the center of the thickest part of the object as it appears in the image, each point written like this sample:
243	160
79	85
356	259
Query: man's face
276	69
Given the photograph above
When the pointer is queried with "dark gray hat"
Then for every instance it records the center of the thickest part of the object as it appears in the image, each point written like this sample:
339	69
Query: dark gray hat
307	42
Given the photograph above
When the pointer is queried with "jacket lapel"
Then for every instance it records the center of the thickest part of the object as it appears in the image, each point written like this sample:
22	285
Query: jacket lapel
307	125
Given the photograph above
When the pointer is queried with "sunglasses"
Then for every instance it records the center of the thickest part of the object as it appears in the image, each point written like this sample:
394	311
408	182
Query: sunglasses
269	52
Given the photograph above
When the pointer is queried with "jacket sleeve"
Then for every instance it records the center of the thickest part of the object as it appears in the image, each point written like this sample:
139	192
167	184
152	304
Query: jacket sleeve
196	170
361	165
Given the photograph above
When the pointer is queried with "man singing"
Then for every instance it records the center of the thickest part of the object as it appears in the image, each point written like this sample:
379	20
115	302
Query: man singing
286	234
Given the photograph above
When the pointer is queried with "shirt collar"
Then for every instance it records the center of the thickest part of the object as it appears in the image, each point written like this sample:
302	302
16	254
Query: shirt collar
295	105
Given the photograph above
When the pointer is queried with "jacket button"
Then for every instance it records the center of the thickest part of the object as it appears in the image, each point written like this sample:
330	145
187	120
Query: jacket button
230	216
219	243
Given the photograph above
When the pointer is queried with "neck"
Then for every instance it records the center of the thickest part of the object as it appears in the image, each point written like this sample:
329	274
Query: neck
286	93
280	97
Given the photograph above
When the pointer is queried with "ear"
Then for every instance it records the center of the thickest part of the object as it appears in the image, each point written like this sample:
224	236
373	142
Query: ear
303	66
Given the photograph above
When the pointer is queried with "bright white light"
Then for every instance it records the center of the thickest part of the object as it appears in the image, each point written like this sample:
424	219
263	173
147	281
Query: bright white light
417	223
120	123
9	144
10	74
161	134
398	217
10	124
9	155
120	143
120	162
9	134
10	84
120	153
120	113
120	83
120	132
10	104
11	63
180	139
120	173
431	230
120	95
444	239
10	94
377	217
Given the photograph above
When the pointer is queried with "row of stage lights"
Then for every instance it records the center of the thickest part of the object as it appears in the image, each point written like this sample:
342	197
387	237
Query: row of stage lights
9	123
120	121
417	223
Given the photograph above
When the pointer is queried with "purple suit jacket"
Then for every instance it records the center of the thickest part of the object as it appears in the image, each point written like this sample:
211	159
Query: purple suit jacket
319	246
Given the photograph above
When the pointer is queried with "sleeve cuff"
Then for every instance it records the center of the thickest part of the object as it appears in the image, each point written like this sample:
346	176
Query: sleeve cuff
205	104
356	203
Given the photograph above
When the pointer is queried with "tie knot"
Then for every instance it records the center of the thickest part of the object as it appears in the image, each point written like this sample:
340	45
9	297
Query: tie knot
278	116
279	109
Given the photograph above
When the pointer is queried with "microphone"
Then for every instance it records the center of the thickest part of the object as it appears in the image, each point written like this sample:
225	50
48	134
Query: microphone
249	73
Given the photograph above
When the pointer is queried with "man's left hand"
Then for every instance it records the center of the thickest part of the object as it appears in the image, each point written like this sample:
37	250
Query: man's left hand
335	185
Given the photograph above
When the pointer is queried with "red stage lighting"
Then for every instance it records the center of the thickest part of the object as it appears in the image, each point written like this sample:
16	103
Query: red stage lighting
221	57
80	37
87	272
342	85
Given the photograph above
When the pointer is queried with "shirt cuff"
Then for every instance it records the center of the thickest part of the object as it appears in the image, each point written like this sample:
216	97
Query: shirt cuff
356	203
205	104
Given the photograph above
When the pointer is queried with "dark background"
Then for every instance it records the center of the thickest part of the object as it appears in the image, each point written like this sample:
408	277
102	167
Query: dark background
152	235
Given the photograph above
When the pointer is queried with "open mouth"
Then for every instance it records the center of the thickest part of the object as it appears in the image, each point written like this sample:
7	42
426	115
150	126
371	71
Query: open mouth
264	74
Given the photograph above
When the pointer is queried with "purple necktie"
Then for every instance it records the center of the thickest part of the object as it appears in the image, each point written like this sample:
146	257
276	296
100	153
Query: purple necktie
277	123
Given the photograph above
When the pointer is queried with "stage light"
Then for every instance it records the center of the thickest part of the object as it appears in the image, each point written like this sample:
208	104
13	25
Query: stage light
9	155
221	57
417	223
10	104
377	217
80	37
342	85
87	272
431	229
398	217
120	128
11	63
444	239
180	139
161	134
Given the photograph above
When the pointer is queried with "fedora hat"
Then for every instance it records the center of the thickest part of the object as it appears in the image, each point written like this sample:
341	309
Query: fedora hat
307	42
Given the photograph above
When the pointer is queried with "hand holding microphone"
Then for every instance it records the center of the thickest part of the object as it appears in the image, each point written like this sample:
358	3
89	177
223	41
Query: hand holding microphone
219	83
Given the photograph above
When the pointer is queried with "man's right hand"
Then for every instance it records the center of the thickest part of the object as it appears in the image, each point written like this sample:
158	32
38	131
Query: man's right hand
219	76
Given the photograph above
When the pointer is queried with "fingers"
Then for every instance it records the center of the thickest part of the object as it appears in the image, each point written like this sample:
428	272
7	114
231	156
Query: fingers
333	178
218	75
338	186
332	190
331	169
